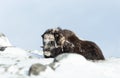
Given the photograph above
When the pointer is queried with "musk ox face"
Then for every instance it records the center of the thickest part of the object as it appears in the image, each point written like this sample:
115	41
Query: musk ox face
54	43
52	39
48	43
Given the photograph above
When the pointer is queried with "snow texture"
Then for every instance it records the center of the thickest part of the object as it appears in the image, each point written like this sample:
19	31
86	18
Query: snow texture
15	63
4	40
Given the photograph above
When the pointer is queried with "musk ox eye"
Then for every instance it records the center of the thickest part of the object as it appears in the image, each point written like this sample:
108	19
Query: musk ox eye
53	43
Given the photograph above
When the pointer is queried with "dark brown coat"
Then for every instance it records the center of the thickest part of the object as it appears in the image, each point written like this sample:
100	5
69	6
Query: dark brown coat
88	49
68	42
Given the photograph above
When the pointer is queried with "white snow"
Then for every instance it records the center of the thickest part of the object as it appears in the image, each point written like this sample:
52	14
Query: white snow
82	68
4	40
15	63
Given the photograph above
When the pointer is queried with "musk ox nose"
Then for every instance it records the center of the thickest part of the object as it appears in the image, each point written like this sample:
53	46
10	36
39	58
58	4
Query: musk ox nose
47	49
47	53
52	43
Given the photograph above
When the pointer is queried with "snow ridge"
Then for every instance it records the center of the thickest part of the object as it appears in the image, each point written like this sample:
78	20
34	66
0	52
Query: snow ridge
4	40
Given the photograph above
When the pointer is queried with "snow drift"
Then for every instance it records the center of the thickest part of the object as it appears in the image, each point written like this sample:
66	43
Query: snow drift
4	40
16	62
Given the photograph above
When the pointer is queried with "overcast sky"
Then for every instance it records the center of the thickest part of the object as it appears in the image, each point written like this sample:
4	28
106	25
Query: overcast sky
24	21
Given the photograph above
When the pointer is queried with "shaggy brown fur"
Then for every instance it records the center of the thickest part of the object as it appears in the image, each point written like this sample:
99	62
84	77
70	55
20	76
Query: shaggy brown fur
67	41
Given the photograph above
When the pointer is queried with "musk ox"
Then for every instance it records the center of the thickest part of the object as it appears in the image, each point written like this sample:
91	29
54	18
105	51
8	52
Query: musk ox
58	41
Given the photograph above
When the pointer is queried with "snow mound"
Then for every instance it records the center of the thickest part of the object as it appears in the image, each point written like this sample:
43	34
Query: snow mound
4	40
75	66
67	65
15	62
65	57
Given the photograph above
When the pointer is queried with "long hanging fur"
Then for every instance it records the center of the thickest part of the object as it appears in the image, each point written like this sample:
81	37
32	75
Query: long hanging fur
68	42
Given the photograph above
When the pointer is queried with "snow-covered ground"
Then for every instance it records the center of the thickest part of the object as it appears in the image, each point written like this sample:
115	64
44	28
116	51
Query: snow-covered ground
16	62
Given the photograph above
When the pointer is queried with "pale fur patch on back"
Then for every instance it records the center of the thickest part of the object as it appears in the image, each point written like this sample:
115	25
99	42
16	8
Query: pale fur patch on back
62	40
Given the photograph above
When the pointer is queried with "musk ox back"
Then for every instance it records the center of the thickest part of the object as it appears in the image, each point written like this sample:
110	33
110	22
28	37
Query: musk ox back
65	41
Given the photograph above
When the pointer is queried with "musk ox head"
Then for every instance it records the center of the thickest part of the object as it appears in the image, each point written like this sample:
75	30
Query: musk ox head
49	41
54	43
